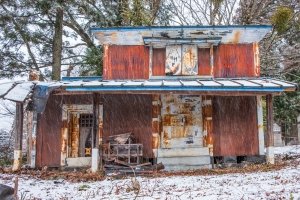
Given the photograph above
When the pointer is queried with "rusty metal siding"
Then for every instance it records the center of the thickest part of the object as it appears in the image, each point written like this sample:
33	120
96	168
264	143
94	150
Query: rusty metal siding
49	128
129	113
235	126
234	60
203	62
126	62
159	62
48	136
156	121
181	121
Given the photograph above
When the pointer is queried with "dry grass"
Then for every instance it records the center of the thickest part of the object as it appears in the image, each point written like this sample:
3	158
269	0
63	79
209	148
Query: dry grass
86	175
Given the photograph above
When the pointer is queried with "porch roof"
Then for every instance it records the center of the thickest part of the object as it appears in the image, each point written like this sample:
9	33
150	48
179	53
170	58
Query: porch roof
20	91
249	85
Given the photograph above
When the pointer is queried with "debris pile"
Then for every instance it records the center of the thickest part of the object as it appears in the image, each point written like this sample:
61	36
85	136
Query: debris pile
123	155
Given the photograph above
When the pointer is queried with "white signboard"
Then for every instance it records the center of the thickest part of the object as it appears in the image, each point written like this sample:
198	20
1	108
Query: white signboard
189	60
181	60
173	60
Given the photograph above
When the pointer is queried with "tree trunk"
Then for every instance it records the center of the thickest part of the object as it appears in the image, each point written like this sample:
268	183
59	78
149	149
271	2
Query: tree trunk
57	42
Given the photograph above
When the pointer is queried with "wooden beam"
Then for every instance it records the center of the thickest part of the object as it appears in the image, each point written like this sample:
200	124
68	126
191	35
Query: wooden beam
260	126
18	137
95	135
150	60
211	60
187	92
270	136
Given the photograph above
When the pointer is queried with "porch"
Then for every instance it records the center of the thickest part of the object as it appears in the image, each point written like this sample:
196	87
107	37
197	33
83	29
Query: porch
181	123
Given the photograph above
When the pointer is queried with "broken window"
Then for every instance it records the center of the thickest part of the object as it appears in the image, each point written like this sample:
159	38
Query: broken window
85	127
181	60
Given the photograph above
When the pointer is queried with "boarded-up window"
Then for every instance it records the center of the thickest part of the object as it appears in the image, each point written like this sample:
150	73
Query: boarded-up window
181	60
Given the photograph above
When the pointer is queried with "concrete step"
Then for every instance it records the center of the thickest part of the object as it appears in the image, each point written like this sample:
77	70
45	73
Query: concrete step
186	167
181	152
189	160
79	162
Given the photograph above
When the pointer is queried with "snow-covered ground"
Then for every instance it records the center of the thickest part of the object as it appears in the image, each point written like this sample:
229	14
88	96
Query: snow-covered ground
280	184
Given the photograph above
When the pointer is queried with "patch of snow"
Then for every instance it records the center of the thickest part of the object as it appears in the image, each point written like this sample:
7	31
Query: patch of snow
294	149
281	184
7	107
19	92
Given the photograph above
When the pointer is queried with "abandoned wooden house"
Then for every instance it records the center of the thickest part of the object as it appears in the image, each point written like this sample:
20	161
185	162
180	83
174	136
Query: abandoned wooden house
172	95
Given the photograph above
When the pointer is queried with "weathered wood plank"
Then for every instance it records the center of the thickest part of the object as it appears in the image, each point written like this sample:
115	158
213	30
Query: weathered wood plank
18	137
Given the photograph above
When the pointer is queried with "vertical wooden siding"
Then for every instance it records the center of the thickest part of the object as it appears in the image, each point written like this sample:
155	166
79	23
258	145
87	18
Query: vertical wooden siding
235	126
204	62
132	62
234	60
49	129
129	113
159	62
48	135
126	62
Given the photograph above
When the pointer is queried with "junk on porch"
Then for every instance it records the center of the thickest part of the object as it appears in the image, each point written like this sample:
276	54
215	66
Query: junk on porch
121	153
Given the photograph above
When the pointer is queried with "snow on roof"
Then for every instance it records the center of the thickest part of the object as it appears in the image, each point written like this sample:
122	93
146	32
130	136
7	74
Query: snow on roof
266	85
16	91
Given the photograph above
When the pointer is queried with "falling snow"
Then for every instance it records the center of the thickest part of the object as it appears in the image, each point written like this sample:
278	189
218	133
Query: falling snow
277	184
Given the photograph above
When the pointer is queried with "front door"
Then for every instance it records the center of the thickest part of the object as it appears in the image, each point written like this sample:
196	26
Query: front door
77	134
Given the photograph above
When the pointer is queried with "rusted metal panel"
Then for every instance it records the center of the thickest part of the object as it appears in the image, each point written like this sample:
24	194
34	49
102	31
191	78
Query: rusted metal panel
159	61
203	62
256	59
74	139
211	59
234	60
156	121
235	130
64	142
181	120
49	129
129	113
126	62
207	119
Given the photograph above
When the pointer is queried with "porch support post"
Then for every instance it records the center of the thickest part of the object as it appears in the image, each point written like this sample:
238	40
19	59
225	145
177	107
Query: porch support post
18	137
150	60
211	60
260	126
95	135
33	140
270	136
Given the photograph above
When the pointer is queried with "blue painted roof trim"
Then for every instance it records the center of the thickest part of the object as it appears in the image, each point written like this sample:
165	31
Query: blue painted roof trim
82	78
174	88
136	28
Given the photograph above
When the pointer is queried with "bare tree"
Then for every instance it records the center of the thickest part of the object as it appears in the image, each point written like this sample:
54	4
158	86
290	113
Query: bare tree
206	12
57	41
